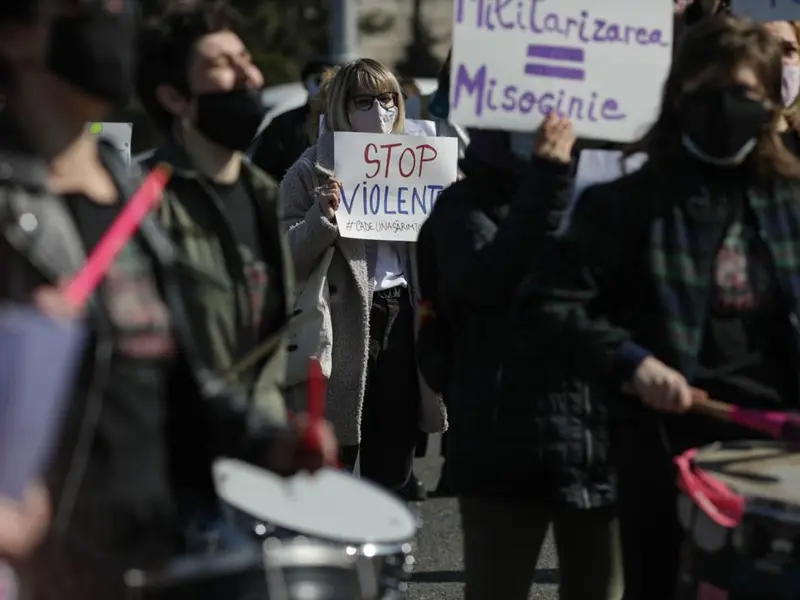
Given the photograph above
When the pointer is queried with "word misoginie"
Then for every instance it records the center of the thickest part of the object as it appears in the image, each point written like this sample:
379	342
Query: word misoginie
525	15
386	161
512	98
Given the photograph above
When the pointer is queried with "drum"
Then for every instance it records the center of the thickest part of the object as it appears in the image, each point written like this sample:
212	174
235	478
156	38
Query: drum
301	569
740	509
283	570
330	507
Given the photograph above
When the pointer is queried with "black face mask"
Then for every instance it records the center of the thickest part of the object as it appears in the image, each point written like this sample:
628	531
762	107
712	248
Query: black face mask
94	51
722	126
230	119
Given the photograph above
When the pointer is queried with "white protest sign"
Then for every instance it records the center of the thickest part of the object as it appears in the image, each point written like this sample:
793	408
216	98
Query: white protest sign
390	183
420	127
767	10
602	64
413	127
117	134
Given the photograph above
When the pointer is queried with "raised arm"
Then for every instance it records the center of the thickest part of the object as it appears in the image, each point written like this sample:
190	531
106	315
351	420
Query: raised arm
478	271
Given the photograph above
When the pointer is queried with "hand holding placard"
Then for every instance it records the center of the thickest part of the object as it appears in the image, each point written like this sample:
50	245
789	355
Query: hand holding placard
390	183
329	198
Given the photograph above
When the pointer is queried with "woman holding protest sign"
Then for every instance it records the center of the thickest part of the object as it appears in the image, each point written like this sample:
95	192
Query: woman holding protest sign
365	336
680	275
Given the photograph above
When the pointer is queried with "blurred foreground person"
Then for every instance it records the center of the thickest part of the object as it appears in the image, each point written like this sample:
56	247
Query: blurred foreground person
115	475
285	138
25	139
684	273
366	336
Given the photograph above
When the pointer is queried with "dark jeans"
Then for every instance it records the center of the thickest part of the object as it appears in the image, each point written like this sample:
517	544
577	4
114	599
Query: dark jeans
502	541
650	532
390	413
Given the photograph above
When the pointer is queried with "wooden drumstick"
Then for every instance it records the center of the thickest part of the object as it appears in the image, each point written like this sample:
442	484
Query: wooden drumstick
702	404
780	425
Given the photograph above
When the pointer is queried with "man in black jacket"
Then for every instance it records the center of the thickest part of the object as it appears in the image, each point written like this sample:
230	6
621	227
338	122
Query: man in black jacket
286	137
528	445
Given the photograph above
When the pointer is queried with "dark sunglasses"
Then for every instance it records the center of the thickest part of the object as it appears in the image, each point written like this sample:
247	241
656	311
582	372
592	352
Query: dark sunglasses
365	101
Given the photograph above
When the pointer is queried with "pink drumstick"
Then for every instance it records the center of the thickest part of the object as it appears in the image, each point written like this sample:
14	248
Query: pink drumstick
316	403
777	424
114	239
315	409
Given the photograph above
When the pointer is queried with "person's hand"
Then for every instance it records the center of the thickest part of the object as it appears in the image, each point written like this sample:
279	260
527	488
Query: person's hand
292	453
555	139
329	199
23	524
660	387
52	302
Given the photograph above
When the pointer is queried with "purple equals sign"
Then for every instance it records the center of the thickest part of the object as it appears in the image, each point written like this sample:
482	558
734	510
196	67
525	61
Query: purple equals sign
555	54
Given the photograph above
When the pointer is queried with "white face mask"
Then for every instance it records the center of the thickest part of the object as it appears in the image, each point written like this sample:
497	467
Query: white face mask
790	84
374	120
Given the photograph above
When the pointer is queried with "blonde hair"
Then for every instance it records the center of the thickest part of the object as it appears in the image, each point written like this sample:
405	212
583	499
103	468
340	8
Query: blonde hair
318	104
364	76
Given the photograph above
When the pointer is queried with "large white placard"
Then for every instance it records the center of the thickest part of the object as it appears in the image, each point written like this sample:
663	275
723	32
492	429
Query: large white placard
767	10
390	183
603	64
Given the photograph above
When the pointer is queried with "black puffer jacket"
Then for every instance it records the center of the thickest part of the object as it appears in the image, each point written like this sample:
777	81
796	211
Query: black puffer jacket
519	427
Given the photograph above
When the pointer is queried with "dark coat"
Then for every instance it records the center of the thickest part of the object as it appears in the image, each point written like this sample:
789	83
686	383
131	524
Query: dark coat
519	427
282	142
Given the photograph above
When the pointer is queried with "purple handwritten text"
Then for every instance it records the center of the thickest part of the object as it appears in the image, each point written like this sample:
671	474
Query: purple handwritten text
486	95
530	15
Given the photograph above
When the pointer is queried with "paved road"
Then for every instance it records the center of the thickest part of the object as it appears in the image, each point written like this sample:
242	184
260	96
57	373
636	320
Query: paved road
439	571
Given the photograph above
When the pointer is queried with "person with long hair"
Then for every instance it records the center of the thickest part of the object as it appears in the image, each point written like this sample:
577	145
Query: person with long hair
374	396
788	35
683	276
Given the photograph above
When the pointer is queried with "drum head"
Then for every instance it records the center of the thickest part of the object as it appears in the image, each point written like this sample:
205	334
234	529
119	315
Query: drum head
329	505
755	469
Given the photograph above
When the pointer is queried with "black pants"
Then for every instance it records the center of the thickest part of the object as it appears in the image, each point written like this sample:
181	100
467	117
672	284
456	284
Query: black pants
391	400
502	541
650	532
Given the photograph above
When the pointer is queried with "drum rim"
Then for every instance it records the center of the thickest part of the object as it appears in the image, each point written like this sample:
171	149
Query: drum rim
755	503
395	542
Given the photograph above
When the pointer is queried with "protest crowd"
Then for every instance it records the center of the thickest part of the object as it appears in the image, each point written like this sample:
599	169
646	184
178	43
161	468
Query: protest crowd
219	361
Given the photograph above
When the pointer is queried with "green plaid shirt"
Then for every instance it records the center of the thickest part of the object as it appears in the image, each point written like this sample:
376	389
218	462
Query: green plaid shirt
636	264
